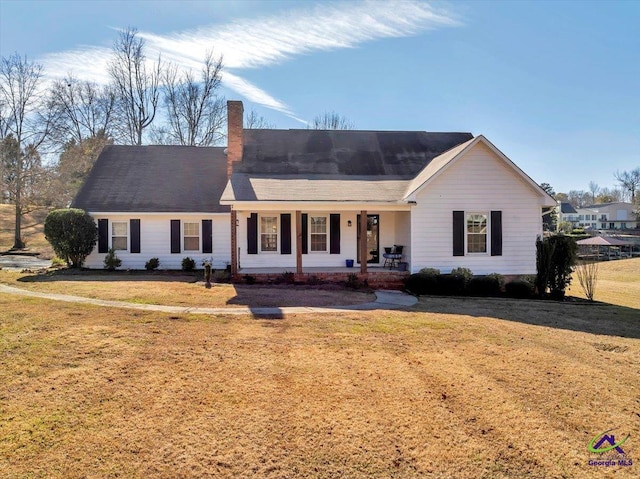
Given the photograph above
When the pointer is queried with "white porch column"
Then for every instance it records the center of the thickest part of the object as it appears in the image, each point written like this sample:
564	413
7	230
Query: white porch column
298	242
363	242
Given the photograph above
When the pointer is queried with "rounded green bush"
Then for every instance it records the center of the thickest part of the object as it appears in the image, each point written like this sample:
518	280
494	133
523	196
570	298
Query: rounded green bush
72	233
188	264
152	264
519	289
484	286
422	283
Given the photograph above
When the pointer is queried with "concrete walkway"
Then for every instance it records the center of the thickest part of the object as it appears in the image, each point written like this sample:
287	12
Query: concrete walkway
384	300
18	262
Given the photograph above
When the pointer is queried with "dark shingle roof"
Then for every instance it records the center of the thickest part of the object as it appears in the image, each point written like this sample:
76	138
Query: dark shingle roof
150	179
602	205
343	152
567	208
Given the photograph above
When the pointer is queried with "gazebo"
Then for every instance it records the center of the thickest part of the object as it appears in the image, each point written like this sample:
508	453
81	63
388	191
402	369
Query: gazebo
591	248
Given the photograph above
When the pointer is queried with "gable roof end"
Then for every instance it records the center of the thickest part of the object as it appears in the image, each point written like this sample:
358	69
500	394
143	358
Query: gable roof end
442	162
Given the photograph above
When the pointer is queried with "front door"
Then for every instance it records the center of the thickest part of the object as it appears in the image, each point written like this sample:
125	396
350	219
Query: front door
373	239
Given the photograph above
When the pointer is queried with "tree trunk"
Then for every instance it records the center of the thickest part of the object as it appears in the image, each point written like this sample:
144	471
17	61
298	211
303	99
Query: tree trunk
17	238
17	242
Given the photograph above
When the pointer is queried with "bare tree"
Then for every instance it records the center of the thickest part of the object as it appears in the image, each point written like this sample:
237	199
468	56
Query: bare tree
331	121
593	188
587	273
578	198
253	121
24	128
82	110
136	83
629	181
73	166
609	195
195	111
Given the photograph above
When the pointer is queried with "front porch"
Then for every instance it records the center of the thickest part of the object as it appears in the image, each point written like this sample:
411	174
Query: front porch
319	241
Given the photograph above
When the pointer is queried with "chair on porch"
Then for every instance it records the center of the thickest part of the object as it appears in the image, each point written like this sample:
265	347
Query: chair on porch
392	256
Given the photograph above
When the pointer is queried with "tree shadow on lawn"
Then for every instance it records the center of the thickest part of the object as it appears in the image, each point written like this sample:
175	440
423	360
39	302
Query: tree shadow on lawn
595	318
111	276
263	302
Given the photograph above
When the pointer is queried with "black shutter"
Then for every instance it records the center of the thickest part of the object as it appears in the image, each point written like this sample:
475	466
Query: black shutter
458	233
252	234
175	236
496	233
103	236
285	233
207	236
134	226
334	234
305	233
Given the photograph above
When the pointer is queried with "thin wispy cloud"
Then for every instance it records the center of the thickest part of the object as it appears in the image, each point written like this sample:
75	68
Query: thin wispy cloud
267	41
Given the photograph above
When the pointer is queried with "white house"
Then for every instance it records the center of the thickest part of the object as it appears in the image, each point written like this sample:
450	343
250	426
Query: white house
304	198
158	201
567	213
309	200
608	216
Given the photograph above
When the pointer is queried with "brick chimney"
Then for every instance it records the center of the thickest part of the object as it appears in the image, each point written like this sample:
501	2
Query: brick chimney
235	113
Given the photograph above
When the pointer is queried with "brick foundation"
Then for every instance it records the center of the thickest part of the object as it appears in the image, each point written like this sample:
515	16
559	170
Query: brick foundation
378	280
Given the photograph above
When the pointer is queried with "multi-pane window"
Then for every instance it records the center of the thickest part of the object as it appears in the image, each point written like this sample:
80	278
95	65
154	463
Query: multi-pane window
191	236
318	233
476	233
269	233
119	235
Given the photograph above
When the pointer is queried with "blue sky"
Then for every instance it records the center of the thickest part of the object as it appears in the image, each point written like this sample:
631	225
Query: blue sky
554	85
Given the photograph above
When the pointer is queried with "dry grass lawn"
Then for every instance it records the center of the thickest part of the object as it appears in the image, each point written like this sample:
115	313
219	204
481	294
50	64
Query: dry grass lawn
32	230
181	290
454	388
618	283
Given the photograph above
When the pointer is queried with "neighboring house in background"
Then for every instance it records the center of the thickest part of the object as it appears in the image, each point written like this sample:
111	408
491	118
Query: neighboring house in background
567	213
608	216
310	200
158	201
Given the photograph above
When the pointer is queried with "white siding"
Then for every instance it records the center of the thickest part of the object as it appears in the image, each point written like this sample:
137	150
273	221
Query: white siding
389	235
479	182
155	241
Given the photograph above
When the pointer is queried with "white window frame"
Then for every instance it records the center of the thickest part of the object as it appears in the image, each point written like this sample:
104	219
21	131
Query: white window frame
262	233
125	235
487	217
326	233
185	236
